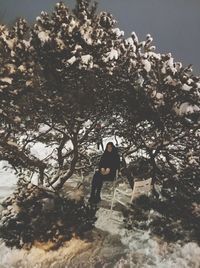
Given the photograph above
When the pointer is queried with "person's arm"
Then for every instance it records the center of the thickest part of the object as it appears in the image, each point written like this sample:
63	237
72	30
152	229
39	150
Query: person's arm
116	163
101	169
101	162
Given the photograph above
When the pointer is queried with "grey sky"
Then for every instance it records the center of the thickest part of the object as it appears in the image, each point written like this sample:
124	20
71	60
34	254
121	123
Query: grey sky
174	24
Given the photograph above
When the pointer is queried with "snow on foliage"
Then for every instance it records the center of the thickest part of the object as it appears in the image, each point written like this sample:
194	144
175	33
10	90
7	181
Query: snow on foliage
12	143
71	60
112	55
6	80
187	108
43	36
186	87
22	68
11	68
147	65
154	55
135	38
131	43
118	32
170	63
80	63
87	60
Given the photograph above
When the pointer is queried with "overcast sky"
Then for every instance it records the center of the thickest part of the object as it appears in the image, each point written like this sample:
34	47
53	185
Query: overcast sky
174	24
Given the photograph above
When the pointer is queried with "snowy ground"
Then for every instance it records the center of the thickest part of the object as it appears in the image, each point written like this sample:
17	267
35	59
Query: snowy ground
109	245
7	181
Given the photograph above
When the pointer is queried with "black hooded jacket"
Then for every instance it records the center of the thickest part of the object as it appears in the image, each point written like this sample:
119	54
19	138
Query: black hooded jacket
110	160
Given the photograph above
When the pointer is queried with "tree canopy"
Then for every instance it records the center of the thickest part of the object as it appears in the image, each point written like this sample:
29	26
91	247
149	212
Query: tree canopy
74	68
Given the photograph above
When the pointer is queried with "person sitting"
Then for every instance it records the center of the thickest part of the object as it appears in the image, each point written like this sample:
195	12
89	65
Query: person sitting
108	165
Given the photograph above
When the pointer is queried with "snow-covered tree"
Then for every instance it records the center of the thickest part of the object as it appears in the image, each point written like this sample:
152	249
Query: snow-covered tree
162	112
54	78
71	69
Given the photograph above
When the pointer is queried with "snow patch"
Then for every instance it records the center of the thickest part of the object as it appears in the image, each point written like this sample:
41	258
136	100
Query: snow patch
112	55
171	65
130	42
71	60
154	55
147	65
7	80
118	32
134	36
44	36
110	221
29	83
159	96
186	108
60	43
22	68
86	59
186	87
168	79
11	68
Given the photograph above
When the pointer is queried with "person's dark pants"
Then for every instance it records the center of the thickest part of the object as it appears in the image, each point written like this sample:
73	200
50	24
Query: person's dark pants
97	183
